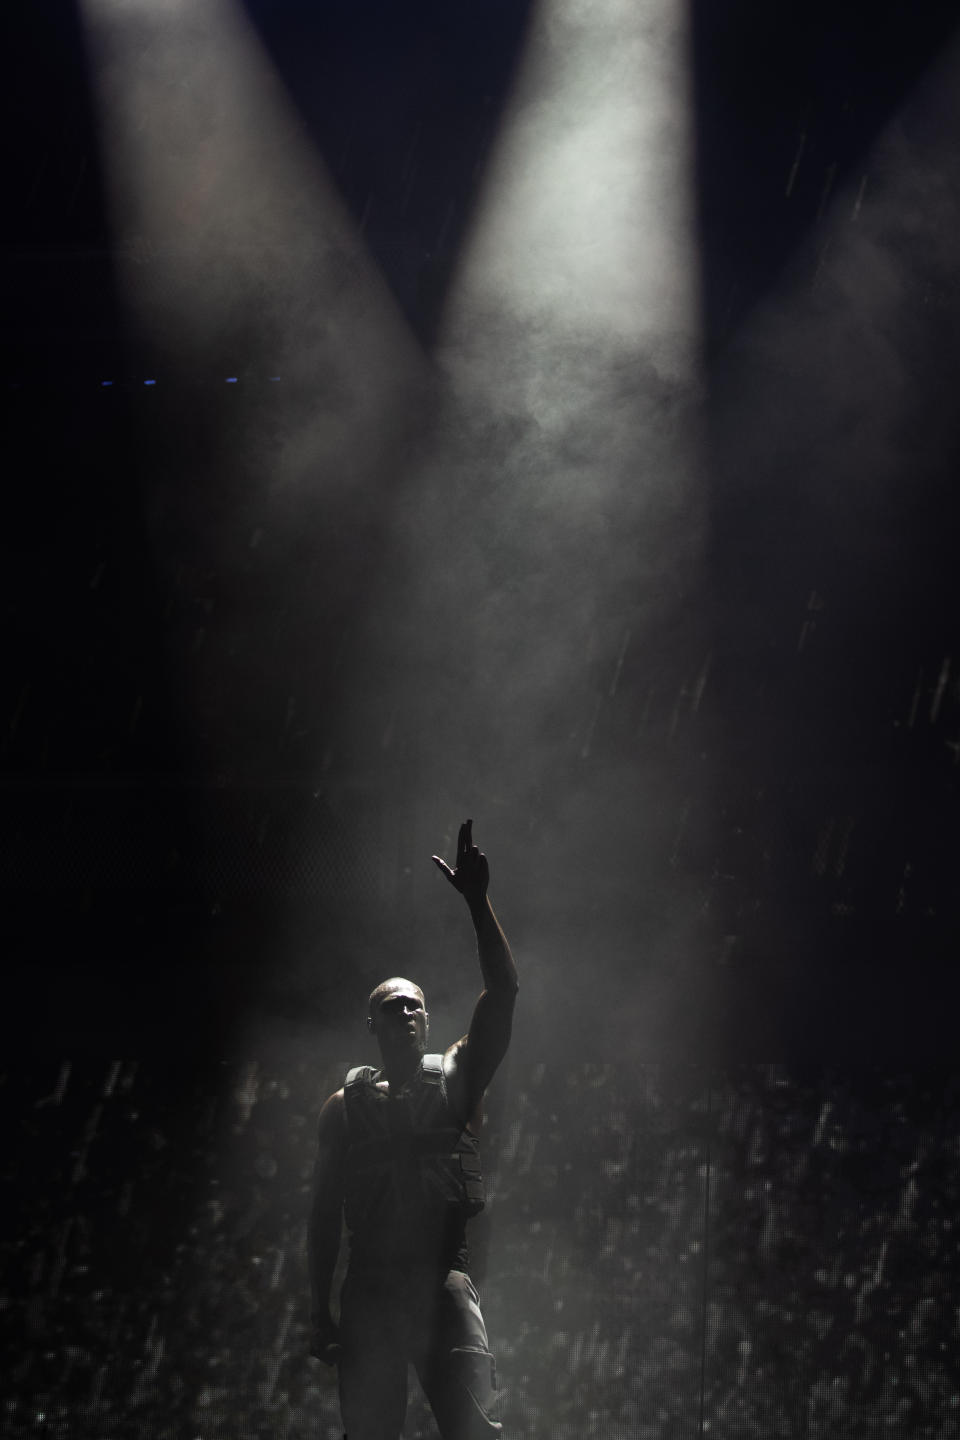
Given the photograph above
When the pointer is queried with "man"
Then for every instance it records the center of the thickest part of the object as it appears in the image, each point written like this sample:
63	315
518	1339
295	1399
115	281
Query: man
398	1159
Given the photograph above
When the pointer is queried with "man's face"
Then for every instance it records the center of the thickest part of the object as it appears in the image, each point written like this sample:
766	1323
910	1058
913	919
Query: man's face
399	1020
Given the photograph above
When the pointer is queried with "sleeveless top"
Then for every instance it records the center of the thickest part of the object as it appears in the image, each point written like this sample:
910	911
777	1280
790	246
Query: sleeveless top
413	1175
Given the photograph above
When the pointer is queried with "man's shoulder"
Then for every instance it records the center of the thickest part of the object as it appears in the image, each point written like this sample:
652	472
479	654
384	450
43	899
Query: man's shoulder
468	1109
451	1057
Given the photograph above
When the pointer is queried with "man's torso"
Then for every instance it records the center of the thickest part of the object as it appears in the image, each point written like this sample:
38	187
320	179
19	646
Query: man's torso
413	1174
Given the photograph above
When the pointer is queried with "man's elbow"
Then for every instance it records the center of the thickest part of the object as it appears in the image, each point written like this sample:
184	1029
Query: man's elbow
503	993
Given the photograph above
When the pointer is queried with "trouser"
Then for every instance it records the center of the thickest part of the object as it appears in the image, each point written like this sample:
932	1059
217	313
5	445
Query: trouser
438	1328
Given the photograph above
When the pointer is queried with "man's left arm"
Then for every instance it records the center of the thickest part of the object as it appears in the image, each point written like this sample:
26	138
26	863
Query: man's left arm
489	1035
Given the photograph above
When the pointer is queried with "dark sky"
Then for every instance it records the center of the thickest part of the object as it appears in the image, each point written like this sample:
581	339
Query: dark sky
685	649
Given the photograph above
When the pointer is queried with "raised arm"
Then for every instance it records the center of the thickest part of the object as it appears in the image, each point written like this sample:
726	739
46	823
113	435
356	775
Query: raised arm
475	1059
323	1231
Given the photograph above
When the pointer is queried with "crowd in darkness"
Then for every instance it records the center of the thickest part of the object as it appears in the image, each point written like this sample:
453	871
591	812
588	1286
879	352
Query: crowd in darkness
666	1252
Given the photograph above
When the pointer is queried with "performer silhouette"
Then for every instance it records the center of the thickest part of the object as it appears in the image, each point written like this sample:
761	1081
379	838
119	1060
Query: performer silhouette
398	1161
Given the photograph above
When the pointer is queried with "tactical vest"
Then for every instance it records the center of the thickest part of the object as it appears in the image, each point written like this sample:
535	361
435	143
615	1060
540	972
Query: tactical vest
413	1174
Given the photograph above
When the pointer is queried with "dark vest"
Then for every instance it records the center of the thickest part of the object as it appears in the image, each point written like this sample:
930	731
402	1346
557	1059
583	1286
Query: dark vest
413	1175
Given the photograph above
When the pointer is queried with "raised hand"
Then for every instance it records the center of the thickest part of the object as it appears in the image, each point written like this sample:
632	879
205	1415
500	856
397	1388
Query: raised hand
472	873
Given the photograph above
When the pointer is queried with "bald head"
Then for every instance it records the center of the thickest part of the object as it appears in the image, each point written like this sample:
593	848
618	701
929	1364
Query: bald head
398	1018
396	986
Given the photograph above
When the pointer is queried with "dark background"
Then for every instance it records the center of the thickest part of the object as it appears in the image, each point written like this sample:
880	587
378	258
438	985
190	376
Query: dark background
195	845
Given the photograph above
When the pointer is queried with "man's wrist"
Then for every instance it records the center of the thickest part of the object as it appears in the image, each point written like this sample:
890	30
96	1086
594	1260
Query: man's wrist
479	907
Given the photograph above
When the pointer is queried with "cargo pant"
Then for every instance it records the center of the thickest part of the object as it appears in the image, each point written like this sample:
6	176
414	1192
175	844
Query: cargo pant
387	1324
